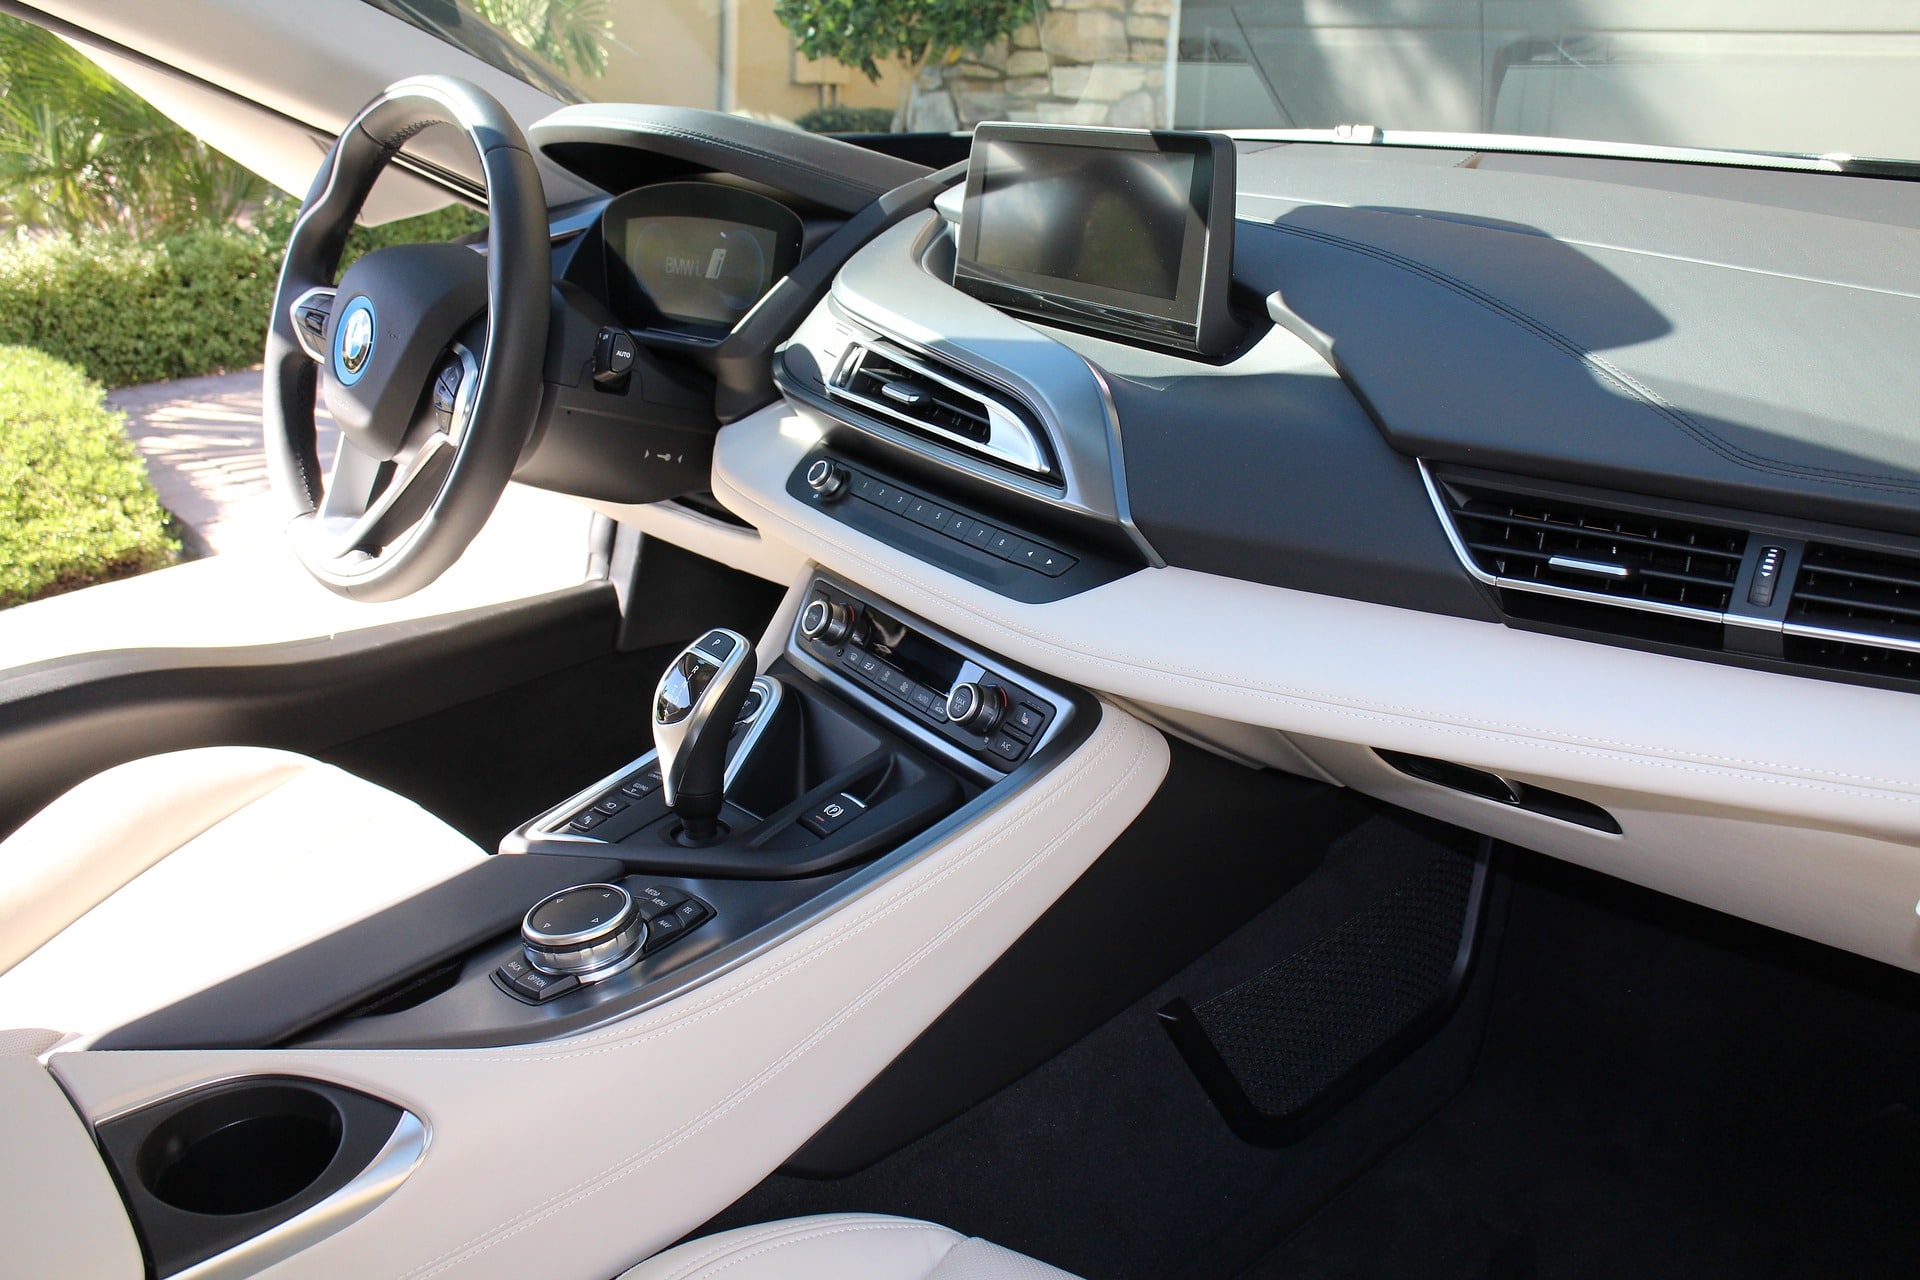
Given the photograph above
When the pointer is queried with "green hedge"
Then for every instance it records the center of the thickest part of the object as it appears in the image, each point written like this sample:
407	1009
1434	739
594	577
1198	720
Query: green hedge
838	119
128	312
75	504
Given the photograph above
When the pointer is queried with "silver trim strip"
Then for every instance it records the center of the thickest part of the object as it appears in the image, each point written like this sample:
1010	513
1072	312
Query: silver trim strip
300	334
1598	567
395	1162
1866	639
1370	135
1122	502
1009	439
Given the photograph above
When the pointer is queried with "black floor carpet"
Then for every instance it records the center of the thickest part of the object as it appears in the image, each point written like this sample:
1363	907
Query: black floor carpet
1658	1090
1662	1092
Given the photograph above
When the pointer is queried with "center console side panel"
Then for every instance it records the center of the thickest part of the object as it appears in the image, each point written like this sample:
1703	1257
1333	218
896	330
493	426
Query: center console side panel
708	1092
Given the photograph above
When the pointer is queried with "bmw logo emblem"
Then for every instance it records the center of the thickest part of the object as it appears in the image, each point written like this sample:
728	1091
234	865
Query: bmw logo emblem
354	345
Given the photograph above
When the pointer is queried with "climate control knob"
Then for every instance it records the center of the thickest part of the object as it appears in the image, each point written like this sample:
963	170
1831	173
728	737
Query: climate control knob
827	478
827	622
583	931
976	706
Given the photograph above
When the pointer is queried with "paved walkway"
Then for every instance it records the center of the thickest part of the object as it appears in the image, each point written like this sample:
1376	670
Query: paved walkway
202	441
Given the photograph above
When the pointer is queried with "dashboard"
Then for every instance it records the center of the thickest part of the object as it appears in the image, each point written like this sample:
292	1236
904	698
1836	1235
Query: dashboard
1572	500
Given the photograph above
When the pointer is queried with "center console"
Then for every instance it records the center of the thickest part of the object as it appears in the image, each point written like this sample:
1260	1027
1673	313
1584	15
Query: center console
770	798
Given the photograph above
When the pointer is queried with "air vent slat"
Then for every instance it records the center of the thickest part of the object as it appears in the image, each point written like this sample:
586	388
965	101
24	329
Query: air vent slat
933	398
1580	528
1871	599
1567	545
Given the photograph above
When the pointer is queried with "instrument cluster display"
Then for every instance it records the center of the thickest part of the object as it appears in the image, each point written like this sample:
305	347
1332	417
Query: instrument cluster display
693	258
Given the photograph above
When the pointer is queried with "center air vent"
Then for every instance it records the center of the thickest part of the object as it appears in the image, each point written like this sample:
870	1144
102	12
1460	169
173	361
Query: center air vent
1573	547
1858	610
938	401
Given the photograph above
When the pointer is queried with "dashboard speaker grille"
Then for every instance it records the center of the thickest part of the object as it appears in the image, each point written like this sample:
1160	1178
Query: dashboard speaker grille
1575	546
1856	610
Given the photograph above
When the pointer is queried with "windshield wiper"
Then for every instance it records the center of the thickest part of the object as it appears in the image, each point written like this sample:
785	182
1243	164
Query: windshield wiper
1367	135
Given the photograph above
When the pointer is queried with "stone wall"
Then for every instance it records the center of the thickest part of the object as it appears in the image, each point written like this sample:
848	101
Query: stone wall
1081	62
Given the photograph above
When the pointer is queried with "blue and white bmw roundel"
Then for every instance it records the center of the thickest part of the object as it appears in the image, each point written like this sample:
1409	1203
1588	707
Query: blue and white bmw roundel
353	341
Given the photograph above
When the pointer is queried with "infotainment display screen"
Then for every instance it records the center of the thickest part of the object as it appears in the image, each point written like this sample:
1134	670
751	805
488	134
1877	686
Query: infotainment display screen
694	258
1129	232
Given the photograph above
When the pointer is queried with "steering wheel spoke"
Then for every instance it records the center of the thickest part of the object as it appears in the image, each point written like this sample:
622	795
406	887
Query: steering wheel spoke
310	313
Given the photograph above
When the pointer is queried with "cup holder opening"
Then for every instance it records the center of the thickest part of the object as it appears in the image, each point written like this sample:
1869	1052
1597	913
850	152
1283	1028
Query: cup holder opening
241	1150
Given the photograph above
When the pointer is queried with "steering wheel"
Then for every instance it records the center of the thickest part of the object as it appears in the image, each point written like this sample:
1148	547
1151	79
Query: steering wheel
428	356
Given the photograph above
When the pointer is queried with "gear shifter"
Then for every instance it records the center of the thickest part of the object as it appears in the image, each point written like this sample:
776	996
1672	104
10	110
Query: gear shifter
693	713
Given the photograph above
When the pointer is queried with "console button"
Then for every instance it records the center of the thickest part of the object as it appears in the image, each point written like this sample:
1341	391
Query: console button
691	913
959	526
1053	563
654	900
646	782
717	645
831	815
1027	719
610	805
589	819
981	535
1006	746
664	929
922	697
533	986
1008	546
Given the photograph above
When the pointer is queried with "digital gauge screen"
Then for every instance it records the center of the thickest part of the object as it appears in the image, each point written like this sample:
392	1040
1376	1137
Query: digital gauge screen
694	258
701	269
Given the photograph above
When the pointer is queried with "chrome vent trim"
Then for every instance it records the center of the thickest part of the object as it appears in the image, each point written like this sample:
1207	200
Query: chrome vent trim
1588	551
910	390
1859	610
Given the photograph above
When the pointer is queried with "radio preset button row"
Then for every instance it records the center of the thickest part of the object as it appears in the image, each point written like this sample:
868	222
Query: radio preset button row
929	513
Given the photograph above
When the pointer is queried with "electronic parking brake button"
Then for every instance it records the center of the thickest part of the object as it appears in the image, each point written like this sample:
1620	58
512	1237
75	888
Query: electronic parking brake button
831	815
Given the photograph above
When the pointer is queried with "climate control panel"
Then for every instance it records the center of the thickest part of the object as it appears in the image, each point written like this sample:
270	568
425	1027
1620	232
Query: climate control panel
983	711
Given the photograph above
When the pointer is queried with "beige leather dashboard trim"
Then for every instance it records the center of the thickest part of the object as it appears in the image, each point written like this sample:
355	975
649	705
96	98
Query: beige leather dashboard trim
582	1156
59	1213
742	549
1678	734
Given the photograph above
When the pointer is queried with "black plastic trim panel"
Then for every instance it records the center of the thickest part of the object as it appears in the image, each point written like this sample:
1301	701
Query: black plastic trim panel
886	518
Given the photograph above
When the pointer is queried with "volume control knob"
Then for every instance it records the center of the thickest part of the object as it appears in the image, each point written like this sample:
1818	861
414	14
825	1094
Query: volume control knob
976	706
827	478
827	622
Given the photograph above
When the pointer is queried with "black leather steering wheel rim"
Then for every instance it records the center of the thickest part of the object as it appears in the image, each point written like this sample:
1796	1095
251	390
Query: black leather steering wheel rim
364	557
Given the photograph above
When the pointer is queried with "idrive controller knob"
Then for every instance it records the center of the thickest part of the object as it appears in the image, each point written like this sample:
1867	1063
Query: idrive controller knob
583	930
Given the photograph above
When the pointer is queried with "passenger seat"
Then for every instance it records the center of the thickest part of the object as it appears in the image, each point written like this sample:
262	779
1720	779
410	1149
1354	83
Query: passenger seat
843	1246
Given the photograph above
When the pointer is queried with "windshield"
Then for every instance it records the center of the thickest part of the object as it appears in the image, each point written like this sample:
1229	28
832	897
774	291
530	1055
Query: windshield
1839	77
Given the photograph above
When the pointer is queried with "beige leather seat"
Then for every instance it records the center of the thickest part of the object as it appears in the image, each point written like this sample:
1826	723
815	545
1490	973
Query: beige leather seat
843	1246
162	876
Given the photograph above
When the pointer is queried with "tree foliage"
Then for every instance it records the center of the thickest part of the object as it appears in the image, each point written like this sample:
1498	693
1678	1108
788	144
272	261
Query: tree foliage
861	33
573	35
79	150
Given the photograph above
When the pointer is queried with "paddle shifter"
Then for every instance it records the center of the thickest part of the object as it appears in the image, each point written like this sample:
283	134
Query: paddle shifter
693	713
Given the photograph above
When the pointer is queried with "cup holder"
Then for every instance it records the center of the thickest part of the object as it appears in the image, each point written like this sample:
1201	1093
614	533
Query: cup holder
241	1151
206	1171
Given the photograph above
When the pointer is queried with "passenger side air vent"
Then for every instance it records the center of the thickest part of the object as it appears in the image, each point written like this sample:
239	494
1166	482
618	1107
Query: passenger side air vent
937	400
1857	611
1575	548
